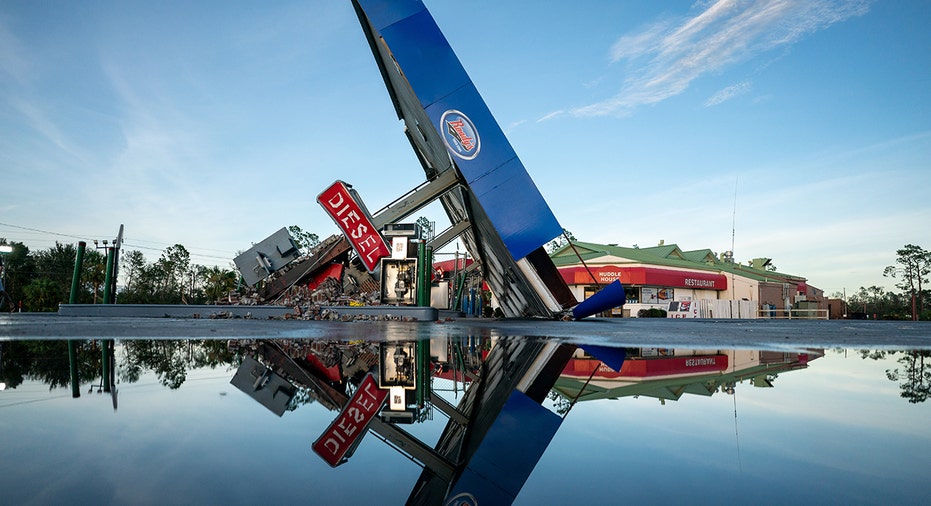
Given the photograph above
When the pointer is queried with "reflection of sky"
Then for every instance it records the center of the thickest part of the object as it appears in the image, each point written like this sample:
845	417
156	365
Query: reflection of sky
191	445
837	432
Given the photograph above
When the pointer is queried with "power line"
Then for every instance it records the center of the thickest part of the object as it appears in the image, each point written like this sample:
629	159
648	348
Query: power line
198	255
158	242
43	231
85	238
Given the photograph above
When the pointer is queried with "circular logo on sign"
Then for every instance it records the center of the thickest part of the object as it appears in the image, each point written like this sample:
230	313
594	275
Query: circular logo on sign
460	134
462	499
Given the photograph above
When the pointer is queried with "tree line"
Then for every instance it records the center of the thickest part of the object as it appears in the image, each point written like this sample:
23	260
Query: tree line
47	361
41	280
171	360
910	272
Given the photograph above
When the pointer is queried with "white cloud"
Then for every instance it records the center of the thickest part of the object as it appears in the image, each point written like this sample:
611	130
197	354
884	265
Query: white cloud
667	56
728	93
14	58
40	122
638	44
551	115
510	128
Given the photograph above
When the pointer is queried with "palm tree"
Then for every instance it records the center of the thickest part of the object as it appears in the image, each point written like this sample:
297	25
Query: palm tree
218	282
96	267
44	294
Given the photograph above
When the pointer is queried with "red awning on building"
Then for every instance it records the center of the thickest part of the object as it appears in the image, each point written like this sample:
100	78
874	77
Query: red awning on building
450	265
651	276
647	367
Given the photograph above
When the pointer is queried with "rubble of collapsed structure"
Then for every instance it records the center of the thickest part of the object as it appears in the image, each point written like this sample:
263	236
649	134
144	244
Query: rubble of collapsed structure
322	277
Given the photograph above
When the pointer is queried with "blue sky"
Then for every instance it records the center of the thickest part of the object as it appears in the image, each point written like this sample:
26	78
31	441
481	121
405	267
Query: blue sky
214	124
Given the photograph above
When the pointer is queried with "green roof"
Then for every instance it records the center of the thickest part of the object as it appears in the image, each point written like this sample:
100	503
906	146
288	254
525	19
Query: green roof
666	255
700	255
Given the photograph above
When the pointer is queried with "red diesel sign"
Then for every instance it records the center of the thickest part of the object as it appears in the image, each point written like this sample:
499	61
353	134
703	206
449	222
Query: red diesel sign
355	224
341	436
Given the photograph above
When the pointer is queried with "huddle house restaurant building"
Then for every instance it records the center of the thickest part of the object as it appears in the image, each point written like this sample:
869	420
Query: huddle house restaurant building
698	281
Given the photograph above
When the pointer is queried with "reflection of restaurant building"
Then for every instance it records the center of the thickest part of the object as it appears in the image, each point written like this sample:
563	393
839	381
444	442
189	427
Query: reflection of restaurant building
668	374
654	277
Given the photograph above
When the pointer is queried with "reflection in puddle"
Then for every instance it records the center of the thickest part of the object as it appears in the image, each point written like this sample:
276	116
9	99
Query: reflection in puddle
668	374
449	421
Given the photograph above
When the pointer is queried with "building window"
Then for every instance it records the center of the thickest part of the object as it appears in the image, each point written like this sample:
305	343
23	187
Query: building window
615	311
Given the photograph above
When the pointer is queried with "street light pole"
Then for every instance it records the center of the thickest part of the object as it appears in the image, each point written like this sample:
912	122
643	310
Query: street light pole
5	249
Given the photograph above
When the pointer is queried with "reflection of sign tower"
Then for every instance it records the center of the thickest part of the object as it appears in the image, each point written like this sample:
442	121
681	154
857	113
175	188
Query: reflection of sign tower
500	429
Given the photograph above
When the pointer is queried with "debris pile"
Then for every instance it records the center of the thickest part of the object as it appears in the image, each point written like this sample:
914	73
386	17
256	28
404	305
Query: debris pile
315	312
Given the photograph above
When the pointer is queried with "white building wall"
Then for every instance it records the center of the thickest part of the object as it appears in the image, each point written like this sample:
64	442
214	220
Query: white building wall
739	287
695	294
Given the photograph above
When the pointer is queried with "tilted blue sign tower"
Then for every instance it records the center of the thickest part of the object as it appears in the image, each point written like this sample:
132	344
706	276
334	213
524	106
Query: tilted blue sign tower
451	129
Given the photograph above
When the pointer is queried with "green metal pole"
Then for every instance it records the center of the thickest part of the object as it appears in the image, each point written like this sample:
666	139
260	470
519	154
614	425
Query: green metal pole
428	276
72	344
105	354
422	349
418	392
421	267
458	305
76	277
73	365
418	277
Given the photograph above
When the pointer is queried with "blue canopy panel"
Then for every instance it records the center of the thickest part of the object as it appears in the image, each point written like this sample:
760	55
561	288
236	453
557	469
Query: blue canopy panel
485	158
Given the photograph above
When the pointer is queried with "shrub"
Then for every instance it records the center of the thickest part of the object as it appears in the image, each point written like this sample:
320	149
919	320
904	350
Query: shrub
651	313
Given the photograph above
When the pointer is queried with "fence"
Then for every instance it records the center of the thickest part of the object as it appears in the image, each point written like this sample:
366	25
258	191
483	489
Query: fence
793	314
725	309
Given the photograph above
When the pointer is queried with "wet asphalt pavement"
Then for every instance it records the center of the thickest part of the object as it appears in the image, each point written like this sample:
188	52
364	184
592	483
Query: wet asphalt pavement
633	332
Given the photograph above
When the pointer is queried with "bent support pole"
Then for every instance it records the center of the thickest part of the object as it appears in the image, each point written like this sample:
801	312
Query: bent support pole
609	297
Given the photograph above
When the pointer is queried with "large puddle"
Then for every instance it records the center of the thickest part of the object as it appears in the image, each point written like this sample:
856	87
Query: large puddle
481	419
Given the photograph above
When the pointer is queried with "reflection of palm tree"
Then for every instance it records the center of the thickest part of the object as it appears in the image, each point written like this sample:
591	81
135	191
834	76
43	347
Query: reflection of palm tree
171	359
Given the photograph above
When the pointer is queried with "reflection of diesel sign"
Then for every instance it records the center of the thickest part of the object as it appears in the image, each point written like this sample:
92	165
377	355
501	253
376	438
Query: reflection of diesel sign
694	362
699	282
341	437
